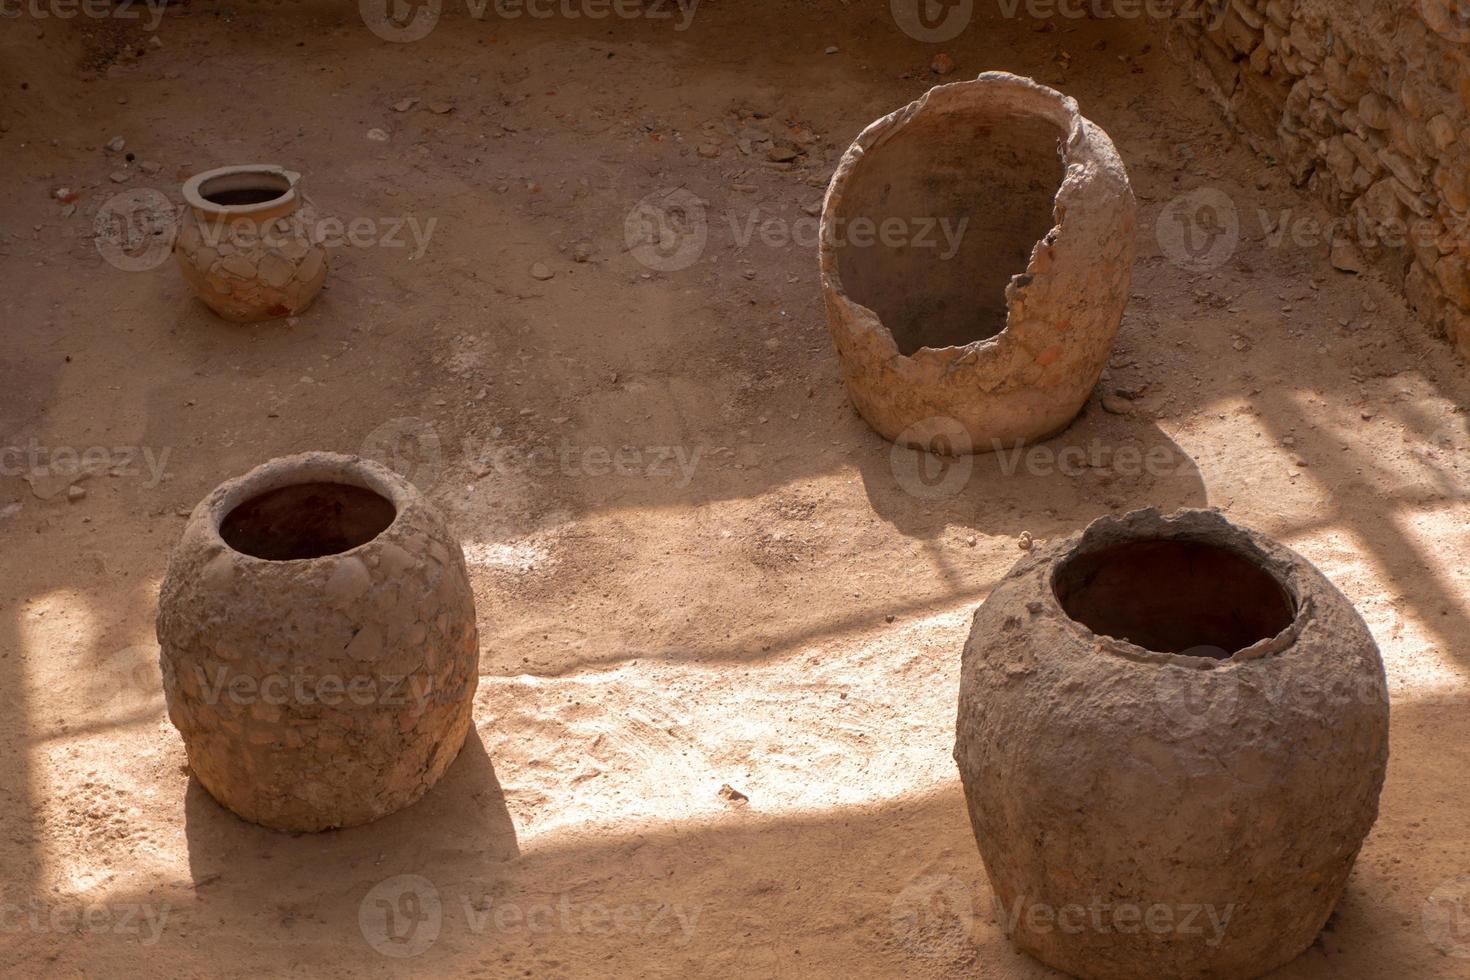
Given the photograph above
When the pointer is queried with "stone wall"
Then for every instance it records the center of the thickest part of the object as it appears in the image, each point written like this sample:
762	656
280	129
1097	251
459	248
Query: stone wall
1366	102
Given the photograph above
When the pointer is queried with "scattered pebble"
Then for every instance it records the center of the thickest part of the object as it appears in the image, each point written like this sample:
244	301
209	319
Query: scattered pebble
781	153
1346	257
1025	541
150	167
730	794
942	64
441	108
403	105
116	144
709	150
119	176
377	135
1115	405
75	493
581	252
832	49
540	271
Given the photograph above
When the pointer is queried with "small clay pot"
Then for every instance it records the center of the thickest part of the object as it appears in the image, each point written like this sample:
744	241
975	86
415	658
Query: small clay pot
319	649
249	243
1172	737
976	252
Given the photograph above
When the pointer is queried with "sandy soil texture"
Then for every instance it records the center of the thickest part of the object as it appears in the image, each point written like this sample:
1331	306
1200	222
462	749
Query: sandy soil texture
694	566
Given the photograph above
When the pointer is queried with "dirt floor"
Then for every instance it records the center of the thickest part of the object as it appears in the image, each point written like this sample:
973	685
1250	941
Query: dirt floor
754	600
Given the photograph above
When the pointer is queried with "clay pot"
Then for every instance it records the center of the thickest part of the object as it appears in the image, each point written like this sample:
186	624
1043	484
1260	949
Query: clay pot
249	243
319	650
1172	736
976	251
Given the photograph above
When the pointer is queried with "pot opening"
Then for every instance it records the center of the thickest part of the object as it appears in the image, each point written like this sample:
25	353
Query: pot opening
306	520
1175	596
235	190
934	222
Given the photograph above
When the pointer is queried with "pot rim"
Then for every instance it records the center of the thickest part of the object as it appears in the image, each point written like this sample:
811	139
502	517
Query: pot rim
195	199
308	467
1079	143
1205	526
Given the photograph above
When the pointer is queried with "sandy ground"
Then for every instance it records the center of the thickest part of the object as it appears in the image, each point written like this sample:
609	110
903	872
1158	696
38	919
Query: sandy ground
780	615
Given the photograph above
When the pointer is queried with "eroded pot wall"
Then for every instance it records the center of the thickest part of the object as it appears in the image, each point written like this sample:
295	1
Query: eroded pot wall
1367	102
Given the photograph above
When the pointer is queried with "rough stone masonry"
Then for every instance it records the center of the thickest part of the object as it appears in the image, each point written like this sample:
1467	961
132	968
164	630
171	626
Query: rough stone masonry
1367	103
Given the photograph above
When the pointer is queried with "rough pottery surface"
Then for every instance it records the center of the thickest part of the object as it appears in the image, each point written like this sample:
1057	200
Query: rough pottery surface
323	691
1106	781
254	259
996	335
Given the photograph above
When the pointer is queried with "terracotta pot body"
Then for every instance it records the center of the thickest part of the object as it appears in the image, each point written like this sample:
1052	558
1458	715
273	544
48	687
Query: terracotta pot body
319	649
248	243
1187	803
976	252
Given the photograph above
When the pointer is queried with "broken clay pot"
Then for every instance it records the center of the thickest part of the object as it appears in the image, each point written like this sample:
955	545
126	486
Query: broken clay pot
249	243
1172	737
976	252
319	648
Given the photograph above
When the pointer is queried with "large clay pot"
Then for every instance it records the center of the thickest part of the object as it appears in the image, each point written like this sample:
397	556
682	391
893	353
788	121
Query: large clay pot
1172	737
319	649
249	243
976	252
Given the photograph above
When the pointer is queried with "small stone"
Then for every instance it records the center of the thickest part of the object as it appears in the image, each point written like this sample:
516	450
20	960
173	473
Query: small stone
116	144
581	252
708	150
1025	541
1115	405
540	271
377	135
942	64
403	105
150	167
782	153
64	194
889	618
731	795
832	49
119	176
1345	256
441	108
155	41
814	209
68	210
748	273
75	493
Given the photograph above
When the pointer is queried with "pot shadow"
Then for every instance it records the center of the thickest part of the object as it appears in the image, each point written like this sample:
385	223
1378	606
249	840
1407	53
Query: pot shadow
1101	464
460	830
